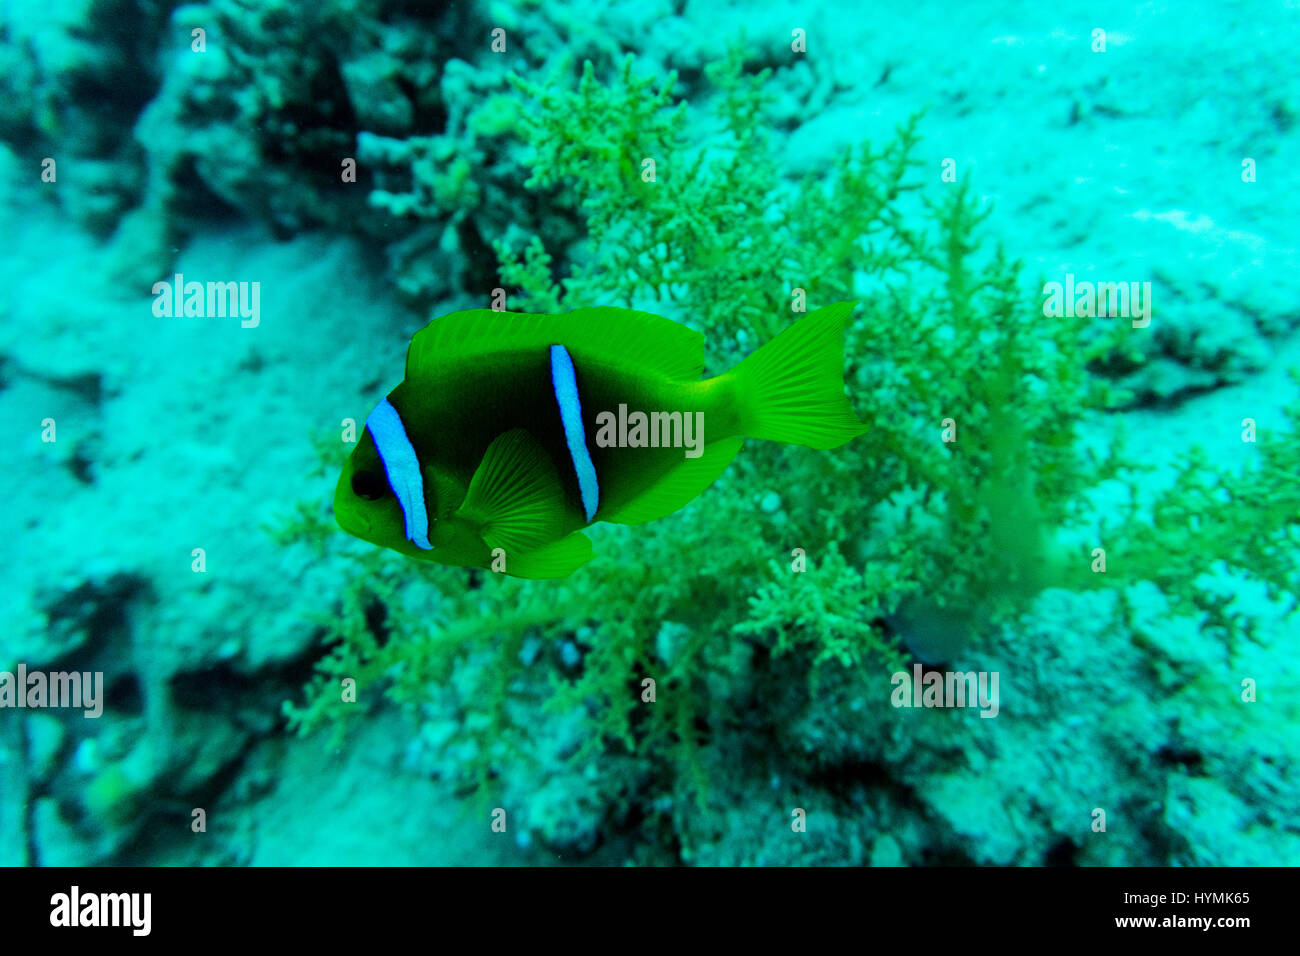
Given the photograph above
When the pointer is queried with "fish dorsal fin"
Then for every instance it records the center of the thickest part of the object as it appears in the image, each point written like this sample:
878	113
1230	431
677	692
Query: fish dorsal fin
679	487
515	496
647	341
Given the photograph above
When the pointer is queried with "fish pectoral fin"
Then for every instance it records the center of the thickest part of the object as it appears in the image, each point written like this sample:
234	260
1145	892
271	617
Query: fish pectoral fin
515	498
556	560
679	487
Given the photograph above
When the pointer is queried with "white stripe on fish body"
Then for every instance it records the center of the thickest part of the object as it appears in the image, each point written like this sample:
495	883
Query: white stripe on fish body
403	470
565	383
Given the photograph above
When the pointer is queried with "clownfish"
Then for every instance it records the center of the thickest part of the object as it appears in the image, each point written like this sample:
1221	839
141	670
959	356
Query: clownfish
511	432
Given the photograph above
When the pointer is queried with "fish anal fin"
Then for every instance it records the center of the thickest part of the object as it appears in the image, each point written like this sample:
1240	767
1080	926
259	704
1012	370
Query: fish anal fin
679	487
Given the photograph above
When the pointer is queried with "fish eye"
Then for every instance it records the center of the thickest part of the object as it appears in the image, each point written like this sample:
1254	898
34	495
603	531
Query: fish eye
368	485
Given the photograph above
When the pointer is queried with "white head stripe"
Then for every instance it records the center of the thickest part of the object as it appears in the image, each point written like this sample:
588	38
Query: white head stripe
565	383
403	470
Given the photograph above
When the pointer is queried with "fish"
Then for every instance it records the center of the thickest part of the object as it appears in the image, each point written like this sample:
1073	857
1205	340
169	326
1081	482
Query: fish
512	432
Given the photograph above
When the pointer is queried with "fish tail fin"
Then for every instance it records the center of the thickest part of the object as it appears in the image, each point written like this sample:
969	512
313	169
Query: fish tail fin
792	389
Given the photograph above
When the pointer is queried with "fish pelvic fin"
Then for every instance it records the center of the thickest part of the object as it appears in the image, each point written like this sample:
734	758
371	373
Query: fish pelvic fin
556	560
792	389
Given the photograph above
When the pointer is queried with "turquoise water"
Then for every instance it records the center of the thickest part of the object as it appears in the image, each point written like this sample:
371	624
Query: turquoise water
1083	516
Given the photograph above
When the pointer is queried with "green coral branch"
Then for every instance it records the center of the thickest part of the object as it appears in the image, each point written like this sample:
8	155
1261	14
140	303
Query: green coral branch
1246	519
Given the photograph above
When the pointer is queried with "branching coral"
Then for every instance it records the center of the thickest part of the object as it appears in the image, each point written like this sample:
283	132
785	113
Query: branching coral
716	234
947	511
1212	520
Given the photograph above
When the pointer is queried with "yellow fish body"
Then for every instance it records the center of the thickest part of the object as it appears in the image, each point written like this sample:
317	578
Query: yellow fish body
512	432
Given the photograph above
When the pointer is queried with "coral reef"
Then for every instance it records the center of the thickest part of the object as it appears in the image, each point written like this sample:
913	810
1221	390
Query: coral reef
717	688
845	560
